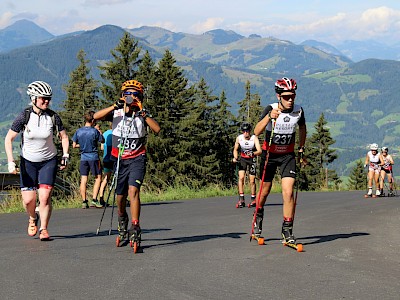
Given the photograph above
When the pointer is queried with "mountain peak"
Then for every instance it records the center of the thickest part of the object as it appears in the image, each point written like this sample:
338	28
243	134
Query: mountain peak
22	33
221	36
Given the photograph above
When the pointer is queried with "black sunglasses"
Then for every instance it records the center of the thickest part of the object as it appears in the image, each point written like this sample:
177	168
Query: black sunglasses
288	97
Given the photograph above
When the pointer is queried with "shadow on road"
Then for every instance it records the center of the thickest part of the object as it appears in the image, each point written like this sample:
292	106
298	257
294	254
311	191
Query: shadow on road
160	203
192	239
103	233
331	237
325	238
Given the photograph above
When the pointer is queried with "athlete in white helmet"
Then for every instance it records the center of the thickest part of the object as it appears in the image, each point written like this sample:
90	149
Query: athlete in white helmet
374	162
38	159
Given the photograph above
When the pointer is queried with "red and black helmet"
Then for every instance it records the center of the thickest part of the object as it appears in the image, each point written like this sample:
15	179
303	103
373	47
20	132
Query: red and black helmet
285	85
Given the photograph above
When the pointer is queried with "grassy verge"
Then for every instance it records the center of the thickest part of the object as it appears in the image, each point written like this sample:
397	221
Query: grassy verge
12	202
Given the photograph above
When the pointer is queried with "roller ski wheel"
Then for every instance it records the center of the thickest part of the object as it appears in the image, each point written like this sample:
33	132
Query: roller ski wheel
135	239
295	246
367	196
120	239
259	239
240	204
252	204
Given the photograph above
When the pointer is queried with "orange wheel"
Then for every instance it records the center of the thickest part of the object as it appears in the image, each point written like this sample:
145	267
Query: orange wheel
135	247
299	248
117	241
261	241
237	205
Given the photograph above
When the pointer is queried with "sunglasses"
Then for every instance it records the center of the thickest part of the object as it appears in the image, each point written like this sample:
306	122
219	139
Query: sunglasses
46	98
246	130
288	97
136	94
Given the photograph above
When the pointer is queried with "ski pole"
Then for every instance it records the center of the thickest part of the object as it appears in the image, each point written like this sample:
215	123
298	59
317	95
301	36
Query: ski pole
262	179
105	206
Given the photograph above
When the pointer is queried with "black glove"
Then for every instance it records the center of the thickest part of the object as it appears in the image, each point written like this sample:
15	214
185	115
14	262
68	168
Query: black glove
64	160
119	103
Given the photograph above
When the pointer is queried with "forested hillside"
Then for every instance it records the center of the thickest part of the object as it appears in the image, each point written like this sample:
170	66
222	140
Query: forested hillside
356	98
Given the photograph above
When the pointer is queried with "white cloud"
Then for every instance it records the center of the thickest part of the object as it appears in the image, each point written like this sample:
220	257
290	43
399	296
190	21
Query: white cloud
5	19
209	24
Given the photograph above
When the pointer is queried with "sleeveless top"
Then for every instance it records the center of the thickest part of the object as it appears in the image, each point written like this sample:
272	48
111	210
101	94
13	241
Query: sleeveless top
247	147
284	135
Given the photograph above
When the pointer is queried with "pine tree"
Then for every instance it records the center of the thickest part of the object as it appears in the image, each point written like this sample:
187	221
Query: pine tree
357	179
81	93
123	67
250	107
169	104
319	155
225	129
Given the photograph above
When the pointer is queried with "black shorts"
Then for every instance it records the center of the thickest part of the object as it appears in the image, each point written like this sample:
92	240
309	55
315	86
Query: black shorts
90	165
131	173
34	173
248	164
285	162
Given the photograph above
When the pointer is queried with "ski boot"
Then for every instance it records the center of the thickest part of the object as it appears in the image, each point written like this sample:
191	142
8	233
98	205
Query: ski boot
253	202
122	229
135	236
369	194
391	194
241	202
381	193
288	238
257	226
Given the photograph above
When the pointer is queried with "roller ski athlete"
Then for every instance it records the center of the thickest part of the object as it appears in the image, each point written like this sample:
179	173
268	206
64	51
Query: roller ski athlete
135	236
122	229
248	147
279	121
386	171
373	161
130	123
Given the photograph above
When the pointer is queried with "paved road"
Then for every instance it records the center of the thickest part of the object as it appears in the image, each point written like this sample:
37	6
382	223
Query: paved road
200	249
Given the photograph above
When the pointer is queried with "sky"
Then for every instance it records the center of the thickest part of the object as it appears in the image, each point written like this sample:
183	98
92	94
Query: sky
330	21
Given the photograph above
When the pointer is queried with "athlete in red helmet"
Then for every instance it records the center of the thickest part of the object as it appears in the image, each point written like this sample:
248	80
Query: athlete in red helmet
280	120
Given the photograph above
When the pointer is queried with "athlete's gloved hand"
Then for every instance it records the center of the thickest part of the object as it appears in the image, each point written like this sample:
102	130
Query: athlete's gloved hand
144	113
120	103
12	167
64	160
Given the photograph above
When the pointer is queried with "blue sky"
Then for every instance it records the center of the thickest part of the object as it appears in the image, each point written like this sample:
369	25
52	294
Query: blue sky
295	20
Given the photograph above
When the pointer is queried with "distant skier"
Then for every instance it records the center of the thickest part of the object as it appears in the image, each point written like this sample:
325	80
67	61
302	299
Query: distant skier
386	170
374	162
248	147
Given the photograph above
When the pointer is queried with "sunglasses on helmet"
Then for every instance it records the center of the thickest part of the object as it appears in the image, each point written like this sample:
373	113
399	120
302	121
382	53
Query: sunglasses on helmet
288	97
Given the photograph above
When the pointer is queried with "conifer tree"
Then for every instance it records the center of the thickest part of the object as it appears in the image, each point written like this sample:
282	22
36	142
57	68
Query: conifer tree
197	160
319	155
225	130
357	179
121	68
81	93
250	107
169	106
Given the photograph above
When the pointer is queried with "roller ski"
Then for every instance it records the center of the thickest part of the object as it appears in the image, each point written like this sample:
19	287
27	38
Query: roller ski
288	238
369	194
241	202
122	230
253	203
391	194
135	236
257	226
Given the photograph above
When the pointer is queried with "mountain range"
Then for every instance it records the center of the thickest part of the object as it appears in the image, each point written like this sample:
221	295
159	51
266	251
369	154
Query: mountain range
356	97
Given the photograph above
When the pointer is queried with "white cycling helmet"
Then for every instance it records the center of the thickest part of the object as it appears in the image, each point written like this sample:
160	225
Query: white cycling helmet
373	147
385	149
39	89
